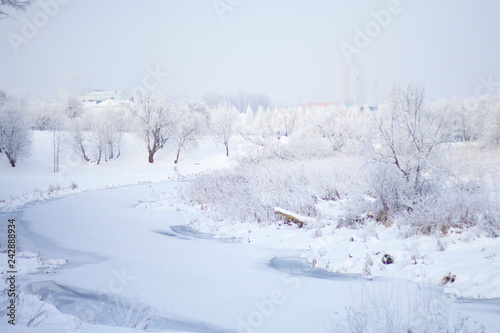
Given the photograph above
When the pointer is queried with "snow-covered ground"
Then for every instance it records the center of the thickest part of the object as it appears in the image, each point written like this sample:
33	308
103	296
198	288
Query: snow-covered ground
472	258
32	180
121	251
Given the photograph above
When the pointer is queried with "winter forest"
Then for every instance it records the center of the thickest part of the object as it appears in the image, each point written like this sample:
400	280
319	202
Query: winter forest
249	166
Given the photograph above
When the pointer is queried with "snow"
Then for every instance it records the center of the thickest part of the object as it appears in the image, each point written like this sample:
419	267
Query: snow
32	179
475	261
115	237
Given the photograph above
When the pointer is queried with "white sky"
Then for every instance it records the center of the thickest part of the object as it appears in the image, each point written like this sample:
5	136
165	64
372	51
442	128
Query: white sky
288	49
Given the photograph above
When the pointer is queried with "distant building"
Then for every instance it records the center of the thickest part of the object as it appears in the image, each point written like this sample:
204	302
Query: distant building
98	96
348	84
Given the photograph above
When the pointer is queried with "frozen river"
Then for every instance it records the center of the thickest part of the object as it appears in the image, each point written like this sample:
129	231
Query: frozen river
126	260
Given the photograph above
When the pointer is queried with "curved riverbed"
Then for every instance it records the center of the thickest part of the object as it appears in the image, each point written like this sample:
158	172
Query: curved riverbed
122	256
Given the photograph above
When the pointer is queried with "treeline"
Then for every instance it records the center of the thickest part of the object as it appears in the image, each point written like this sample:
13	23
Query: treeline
392	165
159	118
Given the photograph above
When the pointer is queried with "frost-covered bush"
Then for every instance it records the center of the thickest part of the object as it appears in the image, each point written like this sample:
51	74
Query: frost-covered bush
388	187
135	314
462	205
427	313
249	192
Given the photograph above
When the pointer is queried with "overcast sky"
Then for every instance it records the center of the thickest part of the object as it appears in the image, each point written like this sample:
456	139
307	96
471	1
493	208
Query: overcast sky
289	49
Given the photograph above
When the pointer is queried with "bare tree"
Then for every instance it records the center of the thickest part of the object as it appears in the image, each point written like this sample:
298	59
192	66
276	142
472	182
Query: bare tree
56	126
155	120
6	5
223	119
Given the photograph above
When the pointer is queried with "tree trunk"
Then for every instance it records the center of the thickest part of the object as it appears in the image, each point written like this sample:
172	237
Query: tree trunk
11	159
111	153
227	149
85	157
151	156
178	152
56	143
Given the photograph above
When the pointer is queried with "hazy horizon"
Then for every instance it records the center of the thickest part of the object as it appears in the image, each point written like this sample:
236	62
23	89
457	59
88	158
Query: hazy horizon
290	50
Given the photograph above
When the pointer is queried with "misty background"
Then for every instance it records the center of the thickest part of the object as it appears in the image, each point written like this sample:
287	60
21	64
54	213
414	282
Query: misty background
287	49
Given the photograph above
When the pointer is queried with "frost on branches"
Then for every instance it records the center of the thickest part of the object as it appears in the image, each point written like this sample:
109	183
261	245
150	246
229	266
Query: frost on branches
15	128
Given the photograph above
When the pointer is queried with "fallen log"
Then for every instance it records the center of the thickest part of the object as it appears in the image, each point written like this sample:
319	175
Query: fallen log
289	217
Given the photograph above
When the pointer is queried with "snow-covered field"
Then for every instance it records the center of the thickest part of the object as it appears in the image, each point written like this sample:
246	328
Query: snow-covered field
33	181
113	248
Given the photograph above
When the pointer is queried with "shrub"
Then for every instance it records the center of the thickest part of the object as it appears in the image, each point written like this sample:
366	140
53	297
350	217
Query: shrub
461	205
249	192
429	312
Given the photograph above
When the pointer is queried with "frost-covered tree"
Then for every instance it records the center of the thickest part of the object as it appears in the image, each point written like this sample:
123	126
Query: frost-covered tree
15	128
8	5
353	124
249	117
258	132
223	120
56	115
408	137
240	101
192	122
79	135
155	120
243	99
216	98
56	120
491	135
467	116
73	107
113	125
324	122
98	137
263	128
3	100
